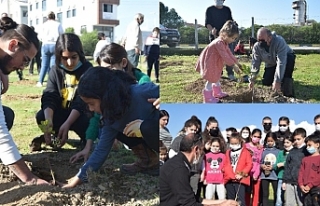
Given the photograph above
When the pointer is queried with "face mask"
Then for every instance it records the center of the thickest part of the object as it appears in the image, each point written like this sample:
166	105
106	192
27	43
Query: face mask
263	44
311	150
245	136
215	150
317	127
218	3
289	148
267	127
283	129
214	132
75	68
270	146
235	147
255	140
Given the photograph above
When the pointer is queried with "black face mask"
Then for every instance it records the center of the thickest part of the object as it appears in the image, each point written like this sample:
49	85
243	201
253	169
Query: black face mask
214	132
263	44
267	127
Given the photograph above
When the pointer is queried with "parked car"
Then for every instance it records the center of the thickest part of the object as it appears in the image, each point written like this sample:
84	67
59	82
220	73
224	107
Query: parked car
170	37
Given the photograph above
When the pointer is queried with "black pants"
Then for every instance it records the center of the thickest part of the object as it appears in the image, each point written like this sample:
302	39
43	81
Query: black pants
232	190
60	116
20	74
9	116
265	191
37	60
268	75
150	62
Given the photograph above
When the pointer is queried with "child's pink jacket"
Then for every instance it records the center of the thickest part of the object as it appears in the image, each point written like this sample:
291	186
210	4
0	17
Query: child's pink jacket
256	154
213	58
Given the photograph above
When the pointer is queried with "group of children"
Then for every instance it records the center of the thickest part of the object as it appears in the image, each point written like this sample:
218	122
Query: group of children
243	166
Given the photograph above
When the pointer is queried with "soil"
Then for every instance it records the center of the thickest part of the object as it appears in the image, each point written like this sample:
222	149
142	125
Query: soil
240	93
107	187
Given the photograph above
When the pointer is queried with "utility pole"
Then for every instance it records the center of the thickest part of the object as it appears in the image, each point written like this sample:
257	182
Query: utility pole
252	26
196	33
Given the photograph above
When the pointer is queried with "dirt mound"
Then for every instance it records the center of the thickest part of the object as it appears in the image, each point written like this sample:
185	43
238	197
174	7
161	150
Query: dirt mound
166	64
21	97
239	93
107	187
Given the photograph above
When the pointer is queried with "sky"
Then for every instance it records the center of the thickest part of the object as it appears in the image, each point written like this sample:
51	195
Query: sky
264	12
127	10
239	115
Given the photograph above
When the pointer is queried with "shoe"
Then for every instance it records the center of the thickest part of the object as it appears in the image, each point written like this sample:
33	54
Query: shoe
208	98
157	81
217	93
231	77
39	84
147	162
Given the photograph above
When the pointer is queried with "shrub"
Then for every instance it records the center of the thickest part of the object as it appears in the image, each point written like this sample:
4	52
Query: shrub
69	30
89	41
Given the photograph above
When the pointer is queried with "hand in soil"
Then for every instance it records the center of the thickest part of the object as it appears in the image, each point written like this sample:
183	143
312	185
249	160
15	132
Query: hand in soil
83	154
276	86
72	183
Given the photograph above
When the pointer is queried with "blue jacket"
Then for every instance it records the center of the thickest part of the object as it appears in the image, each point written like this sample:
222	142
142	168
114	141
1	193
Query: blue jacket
140	109
152	47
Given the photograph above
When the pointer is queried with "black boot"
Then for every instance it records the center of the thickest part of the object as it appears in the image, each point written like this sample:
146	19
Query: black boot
287	87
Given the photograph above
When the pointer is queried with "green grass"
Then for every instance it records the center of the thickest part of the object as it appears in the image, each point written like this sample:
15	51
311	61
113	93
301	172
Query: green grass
178	71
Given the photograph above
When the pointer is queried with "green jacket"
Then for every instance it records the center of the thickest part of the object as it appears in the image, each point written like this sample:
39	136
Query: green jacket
92	131
280	158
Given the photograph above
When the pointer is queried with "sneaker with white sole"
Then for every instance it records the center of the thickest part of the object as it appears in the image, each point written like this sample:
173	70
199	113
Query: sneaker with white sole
39	84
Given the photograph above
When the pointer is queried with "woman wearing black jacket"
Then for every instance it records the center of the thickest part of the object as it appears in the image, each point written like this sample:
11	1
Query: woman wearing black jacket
61	105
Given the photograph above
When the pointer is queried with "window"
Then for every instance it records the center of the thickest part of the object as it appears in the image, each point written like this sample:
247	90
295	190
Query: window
37	5
108	8
24	13
44	5
31	23
44	19
68	13
37	21
59	17
74	12
30	7
59	3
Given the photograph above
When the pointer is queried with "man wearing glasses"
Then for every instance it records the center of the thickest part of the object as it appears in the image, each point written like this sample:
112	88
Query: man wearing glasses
279	61
174	178
267	126
17	47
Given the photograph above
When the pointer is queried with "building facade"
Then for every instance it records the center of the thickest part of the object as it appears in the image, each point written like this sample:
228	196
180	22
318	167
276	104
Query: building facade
89	15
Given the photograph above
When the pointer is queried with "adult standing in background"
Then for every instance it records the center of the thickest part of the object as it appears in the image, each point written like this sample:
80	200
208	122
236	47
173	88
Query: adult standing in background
103	41
132	40
36	59
51	30
216	16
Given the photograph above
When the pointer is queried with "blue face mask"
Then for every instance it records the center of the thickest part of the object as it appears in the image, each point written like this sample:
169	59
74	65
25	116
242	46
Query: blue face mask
75	68
311	150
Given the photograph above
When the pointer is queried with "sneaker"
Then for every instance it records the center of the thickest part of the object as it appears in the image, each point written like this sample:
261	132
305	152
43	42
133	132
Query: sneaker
231	77
39	84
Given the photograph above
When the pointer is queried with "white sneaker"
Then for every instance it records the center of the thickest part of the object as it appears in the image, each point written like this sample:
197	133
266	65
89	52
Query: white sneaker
231	77
39	84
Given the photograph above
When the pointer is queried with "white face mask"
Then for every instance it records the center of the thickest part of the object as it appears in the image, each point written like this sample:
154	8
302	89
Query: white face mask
218	3
235	147
245	135
215	149
317	127
283	129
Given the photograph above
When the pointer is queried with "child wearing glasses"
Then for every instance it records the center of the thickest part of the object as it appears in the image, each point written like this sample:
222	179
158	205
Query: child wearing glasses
212	173
256	149
237	169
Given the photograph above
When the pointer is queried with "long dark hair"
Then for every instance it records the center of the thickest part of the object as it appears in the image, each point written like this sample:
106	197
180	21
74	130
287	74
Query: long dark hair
111	87
70	42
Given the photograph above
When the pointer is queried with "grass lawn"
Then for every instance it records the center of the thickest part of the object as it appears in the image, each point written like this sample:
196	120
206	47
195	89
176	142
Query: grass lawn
177	72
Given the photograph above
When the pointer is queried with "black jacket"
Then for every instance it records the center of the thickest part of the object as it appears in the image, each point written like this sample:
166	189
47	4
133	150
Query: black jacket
175	189
52	96
280	138
292	165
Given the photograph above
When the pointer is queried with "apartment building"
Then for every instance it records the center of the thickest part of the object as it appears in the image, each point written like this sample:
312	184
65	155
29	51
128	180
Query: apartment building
90	15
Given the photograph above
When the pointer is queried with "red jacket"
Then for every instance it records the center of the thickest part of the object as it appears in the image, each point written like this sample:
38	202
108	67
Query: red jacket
309	172
243	168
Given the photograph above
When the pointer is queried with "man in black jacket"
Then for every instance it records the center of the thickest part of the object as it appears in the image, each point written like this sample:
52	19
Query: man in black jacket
175	186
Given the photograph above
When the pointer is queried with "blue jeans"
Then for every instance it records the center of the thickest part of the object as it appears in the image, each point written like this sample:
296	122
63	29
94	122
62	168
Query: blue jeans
133	57
280	193
48	60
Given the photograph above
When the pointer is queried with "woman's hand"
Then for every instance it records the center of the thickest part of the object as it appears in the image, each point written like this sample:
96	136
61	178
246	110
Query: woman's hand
73	182
63	133
82	154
